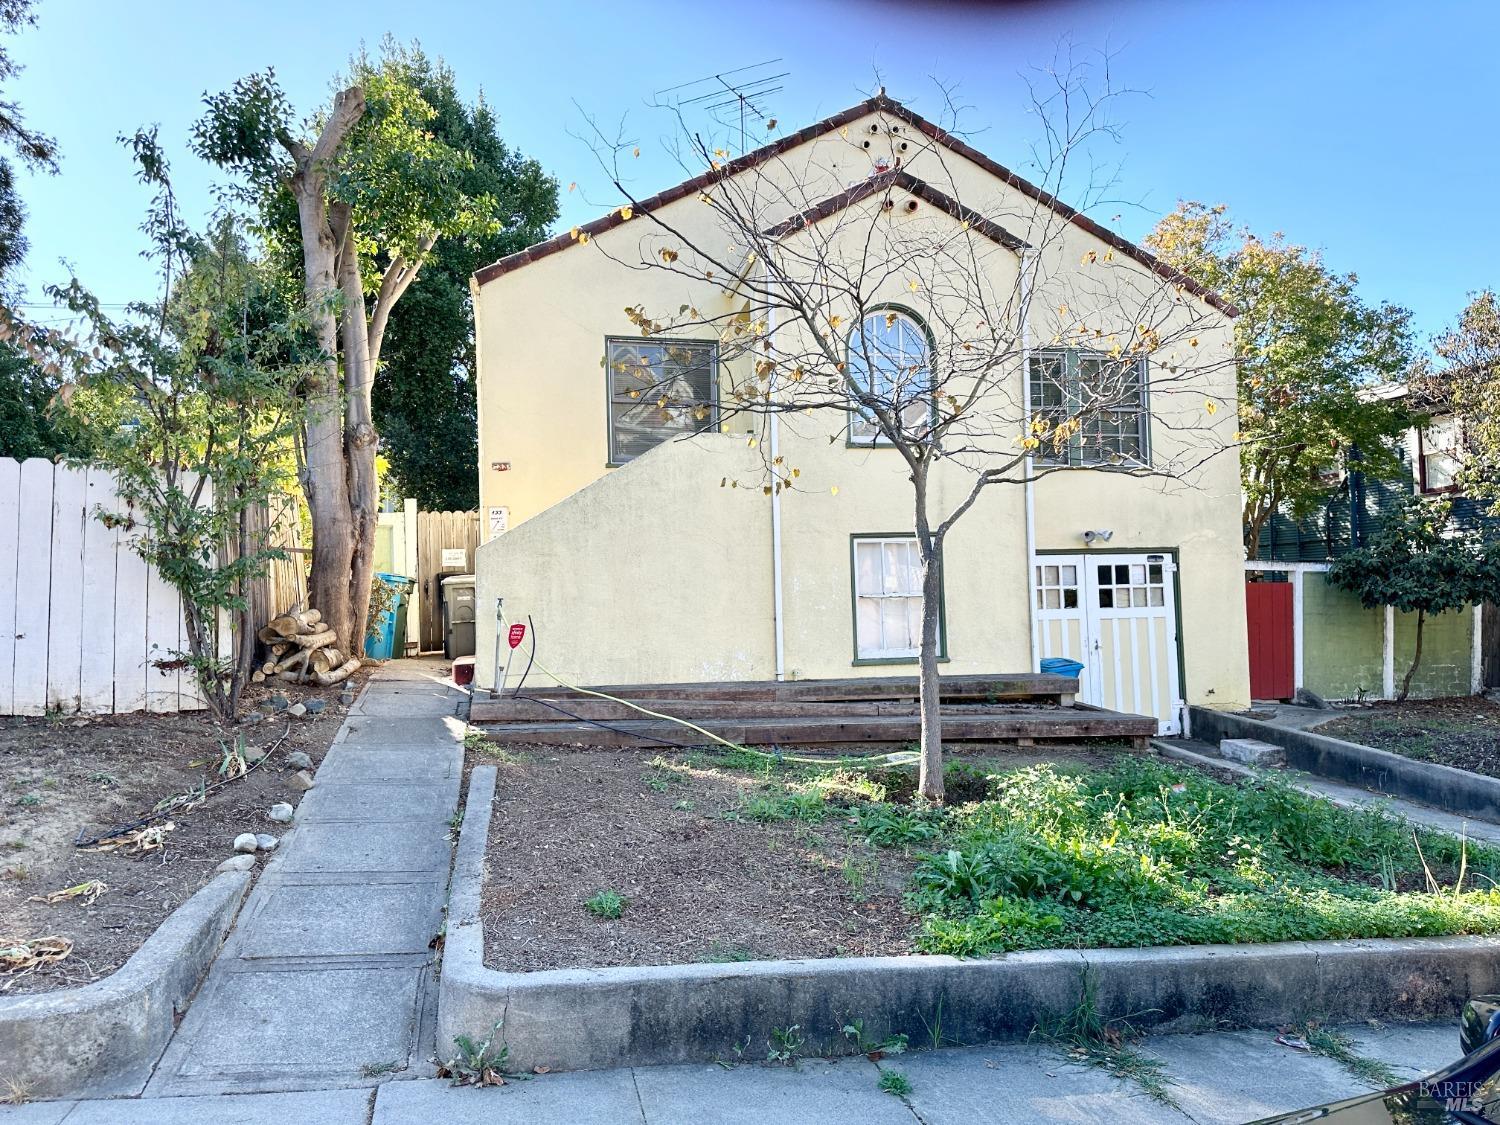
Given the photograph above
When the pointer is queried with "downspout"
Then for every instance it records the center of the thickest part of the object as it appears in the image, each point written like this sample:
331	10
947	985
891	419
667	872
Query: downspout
777	606
1028	259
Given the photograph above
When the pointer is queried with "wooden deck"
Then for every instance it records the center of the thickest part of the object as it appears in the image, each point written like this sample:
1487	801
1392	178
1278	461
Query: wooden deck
1024	709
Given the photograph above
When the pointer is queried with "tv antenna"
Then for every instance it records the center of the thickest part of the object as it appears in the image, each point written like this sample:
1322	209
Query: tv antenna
740	93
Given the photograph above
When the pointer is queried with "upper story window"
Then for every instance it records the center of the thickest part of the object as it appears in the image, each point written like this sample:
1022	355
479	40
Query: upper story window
658	389
1108	394
890	357
1440	445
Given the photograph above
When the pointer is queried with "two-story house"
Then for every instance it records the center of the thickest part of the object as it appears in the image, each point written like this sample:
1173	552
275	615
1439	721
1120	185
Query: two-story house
613	523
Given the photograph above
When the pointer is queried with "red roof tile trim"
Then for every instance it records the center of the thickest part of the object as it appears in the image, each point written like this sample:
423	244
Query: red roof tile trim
879	104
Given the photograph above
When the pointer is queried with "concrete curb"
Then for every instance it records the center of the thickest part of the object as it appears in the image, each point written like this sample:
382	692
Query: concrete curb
102	1040
1442	787
584	1019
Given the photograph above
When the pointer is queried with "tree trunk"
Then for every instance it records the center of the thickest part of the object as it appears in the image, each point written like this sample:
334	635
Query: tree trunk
327	478
1415	660
360	440
930	780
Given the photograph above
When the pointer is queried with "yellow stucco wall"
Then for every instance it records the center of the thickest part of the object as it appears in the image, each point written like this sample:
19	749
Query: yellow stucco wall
702	606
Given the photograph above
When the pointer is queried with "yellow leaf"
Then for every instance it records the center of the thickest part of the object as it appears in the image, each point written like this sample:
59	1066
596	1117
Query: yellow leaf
669	256
844	132
1211	406
573	186
835	321
574	233
771	124
833	490
626	211
583	237
636	151
914	285
1193	343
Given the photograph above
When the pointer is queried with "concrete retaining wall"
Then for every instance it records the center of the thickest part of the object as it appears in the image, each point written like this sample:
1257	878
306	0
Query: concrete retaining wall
1443	787
592	1018
102	1039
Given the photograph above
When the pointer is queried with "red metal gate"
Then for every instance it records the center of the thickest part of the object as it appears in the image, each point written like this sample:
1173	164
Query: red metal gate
1268	609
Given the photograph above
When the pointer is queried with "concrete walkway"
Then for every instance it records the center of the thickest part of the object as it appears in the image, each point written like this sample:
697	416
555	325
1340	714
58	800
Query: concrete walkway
1220	1079
327	977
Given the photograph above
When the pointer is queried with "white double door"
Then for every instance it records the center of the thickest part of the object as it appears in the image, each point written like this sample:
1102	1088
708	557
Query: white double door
1116	614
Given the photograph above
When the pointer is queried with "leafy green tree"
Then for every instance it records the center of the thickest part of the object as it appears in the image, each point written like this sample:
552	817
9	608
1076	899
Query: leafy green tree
424	399
1308	348
373	191
188	400
1468	385
1418	562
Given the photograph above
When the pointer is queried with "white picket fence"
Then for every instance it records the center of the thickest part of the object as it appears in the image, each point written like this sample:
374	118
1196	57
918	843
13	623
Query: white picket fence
84	623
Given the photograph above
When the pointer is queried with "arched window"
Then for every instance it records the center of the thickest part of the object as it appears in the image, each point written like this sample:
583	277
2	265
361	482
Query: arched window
890	358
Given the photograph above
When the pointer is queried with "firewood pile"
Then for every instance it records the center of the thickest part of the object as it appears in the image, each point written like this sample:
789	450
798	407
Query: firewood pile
303	651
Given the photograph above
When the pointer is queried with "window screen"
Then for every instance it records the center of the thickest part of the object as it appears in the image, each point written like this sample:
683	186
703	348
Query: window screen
659	389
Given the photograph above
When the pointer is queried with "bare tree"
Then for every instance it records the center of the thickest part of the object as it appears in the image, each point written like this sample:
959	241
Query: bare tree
989	334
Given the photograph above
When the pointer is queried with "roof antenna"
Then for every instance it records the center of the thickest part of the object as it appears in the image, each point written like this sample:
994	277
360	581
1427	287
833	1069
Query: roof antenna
743	90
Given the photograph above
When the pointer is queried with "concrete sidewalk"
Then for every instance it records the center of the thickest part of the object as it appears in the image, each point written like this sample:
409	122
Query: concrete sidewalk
1219	1079
327	977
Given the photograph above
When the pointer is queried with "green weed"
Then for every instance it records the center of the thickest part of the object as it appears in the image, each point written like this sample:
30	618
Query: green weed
785	1045
1335	1045
606	904
1086	1037
895	1083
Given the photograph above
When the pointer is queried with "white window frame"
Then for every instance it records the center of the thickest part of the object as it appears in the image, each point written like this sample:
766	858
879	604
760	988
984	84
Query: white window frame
863	429
875	650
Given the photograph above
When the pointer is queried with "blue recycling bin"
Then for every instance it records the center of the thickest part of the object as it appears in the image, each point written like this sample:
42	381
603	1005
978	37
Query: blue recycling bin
380	639
1061	666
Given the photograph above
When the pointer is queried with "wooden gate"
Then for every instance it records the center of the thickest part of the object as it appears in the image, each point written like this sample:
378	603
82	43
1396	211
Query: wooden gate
437	533
1268	610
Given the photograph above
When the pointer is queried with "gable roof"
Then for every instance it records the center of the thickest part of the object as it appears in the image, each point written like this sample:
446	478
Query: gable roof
897	177
880	103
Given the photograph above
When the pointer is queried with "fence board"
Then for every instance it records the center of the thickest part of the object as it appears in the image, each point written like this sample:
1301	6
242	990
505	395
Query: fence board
96	679
132	591
33	586
65	621
10	514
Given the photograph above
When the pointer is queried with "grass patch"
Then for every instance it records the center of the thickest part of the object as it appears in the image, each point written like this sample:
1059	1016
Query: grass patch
895	1083
1149	854
1335	1045
1086	1037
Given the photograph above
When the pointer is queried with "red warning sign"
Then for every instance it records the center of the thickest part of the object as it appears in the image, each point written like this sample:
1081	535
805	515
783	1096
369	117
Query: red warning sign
516	635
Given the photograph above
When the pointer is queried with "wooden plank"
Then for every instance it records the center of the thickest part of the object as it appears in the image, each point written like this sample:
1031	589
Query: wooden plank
435	532
65	621
163	639
10	514
1056	725
993	687
33	586
97	658
525	710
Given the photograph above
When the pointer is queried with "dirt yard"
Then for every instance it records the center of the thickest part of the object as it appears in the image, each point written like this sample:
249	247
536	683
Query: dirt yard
1463	731
713	862
62	776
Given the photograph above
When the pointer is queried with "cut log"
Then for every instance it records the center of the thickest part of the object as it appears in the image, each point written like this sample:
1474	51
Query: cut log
314	640
339	674
257	677
279	648
327	659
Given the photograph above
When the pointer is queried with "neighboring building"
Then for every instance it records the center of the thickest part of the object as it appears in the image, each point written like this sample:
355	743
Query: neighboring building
1309	634
634	565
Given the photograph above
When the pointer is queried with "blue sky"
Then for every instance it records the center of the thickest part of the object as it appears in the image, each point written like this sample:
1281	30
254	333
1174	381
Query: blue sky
1360	127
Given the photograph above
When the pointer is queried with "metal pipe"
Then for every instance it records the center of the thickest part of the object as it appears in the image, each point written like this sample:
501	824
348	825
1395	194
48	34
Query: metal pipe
1028	257
777	605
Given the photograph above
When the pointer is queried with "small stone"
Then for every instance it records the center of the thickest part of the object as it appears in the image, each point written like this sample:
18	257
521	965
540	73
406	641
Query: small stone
281	813
253	717
298	760
245	842
303	780
265	841
279	702
254	754
297	710
316	706
346	698
237	862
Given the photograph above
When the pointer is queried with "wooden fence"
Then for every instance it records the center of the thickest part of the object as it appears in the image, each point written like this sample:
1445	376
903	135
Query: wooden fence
85	625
